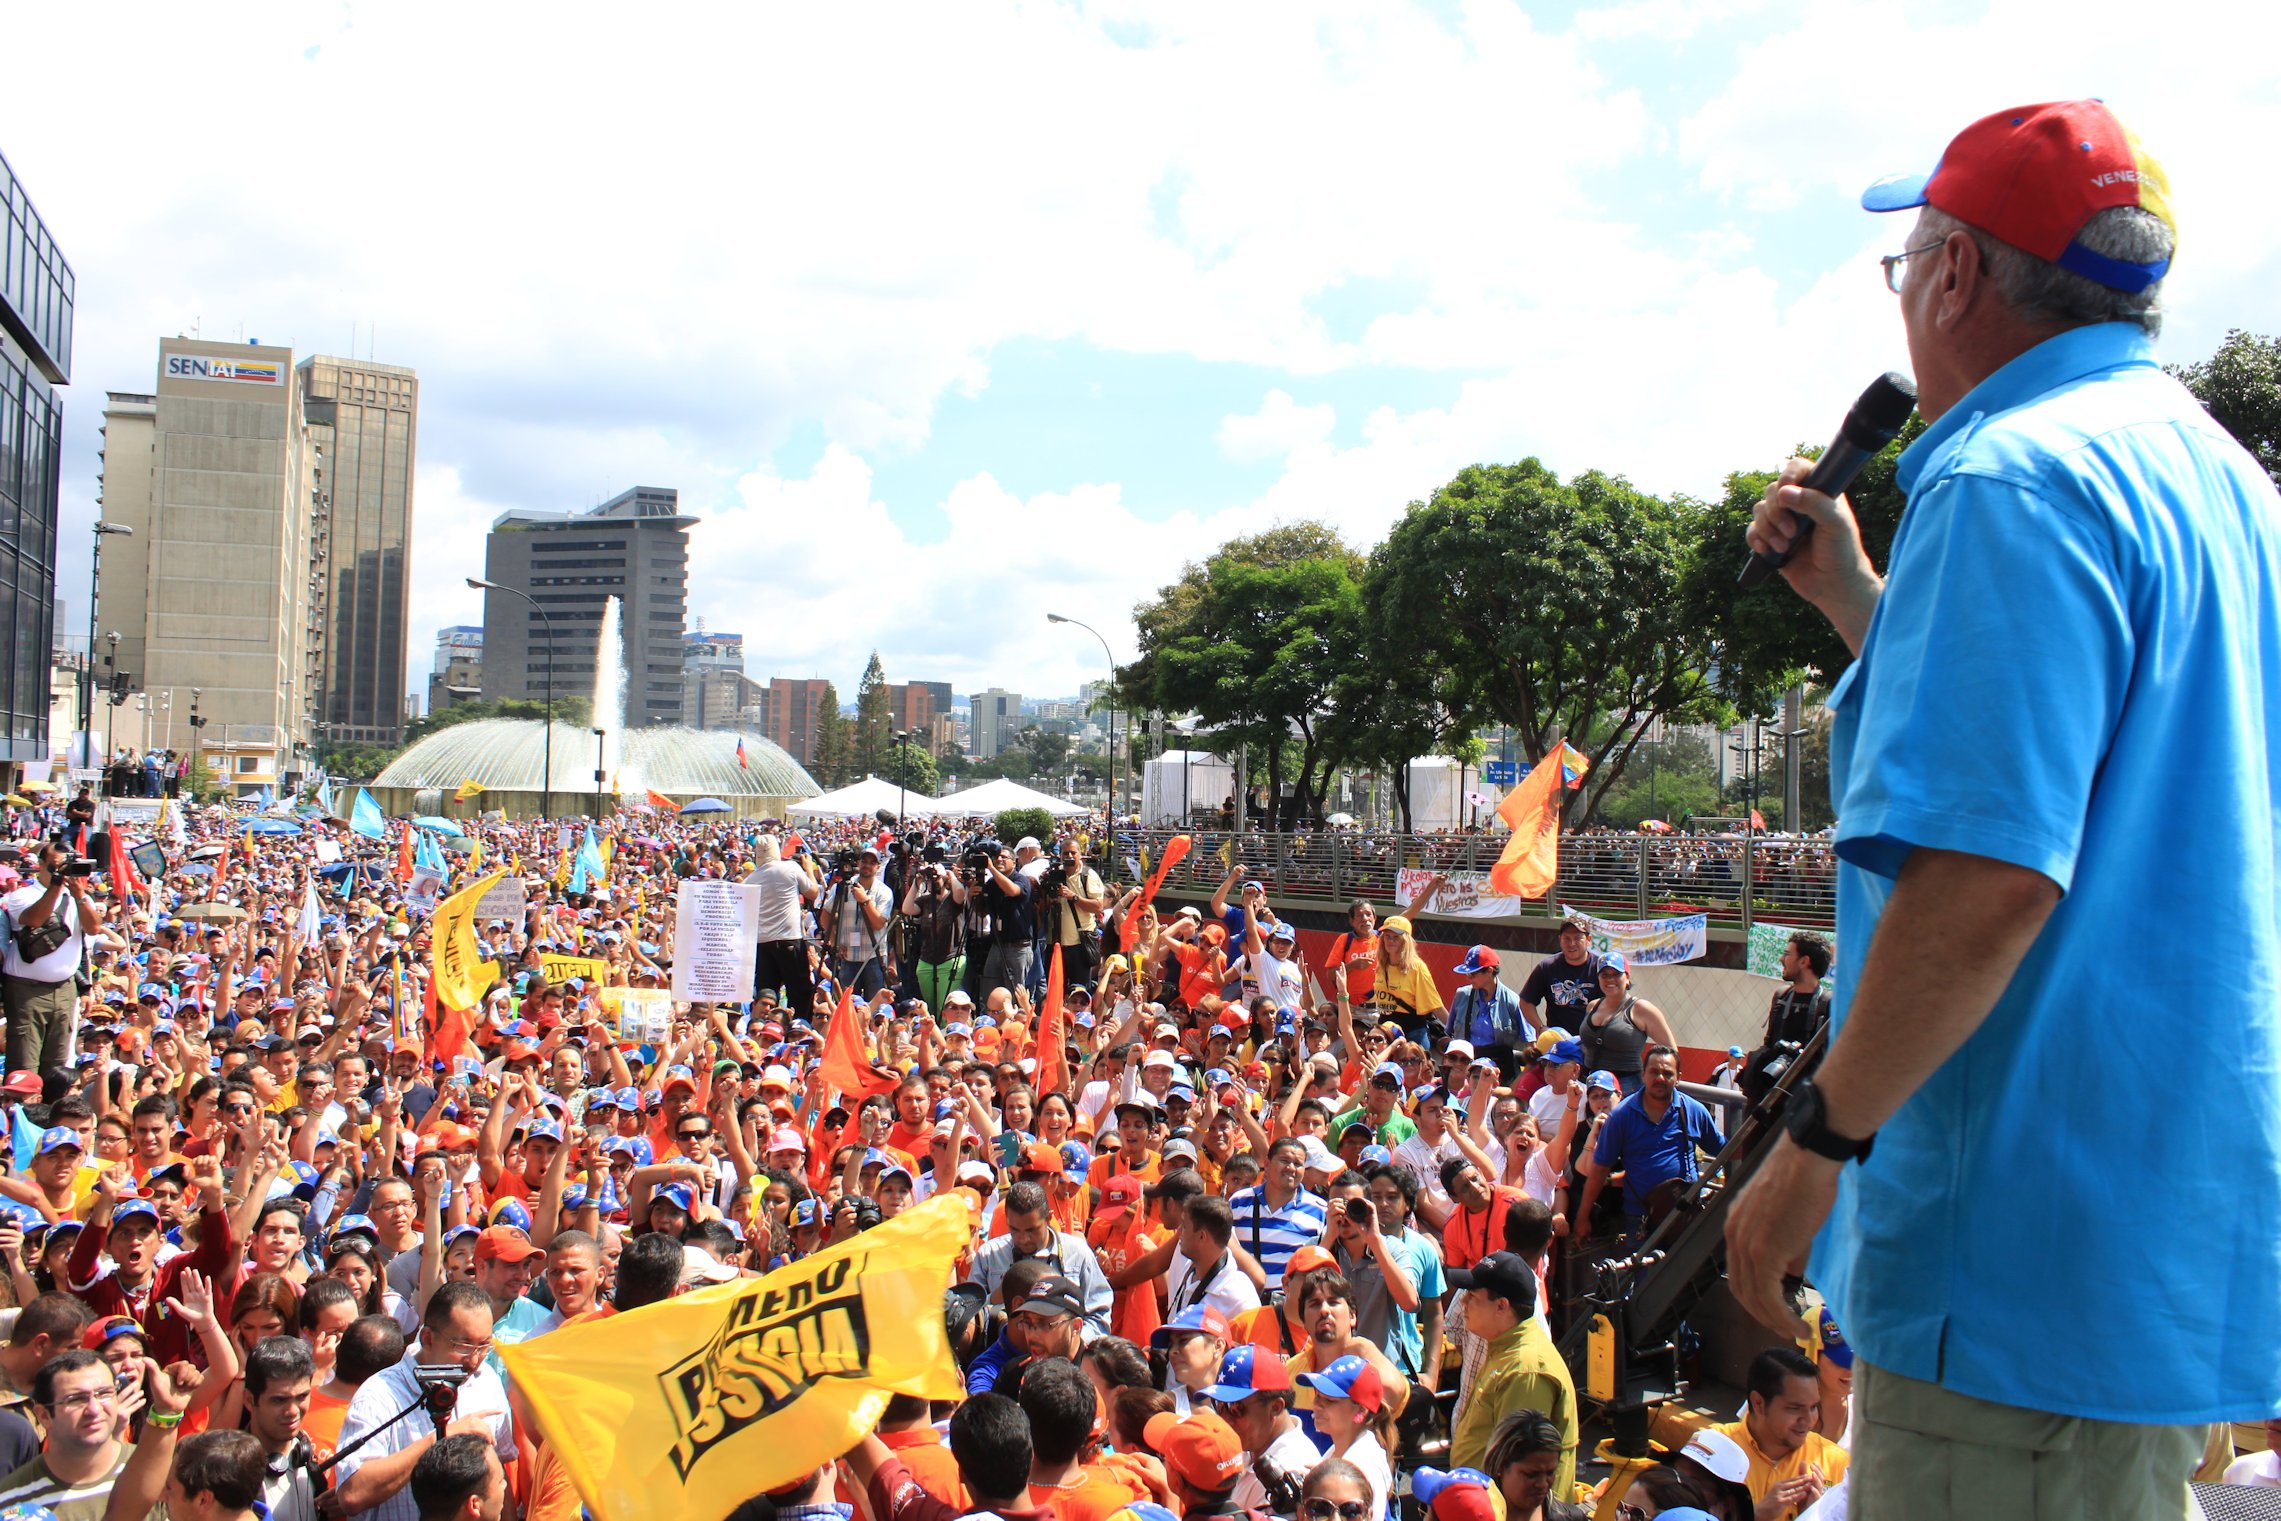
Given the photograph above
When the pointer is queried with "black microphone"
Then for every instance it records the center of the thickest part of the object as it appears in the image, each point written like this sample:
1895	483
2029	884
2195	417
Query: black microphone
1869	427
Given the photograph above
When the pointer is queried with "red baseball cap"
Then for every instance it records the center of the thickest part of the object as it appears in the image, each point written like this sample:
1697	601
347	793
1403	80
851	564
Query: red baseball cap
1121	1192
504	1243
2033	175
1198	1446
1039	1157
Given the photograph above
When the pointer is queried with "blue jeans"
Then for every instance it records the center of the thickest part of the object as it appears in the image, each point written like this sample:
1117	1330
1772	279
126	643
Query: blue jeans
865	977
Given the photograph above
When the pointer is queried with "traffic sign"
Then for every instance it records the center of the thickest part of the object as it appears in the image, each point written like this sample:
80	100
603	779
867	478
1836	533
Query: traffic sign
1499	773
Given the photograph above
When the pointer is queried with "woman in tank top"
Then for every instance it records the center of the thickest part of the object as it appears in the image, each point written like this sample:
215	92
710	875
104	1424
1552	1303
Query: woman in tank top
1621	1026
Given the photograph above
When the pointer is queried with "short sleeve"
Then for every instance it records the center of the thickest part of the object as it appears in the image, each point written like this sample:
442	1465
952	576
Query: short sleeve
1992	679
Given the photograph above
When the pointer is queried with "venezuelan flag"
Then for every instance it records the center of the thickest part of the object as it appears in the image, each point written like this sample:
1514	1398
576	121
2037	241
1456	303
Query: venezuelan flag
1573	764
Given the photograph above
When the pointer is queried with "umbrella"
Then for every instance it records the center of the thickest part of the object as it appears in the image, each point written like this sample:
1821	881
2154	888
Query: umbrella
706	805
1654	826
16	800
194	869
38	786
1340	819
439	825
207	852
649	841
272	826
210	911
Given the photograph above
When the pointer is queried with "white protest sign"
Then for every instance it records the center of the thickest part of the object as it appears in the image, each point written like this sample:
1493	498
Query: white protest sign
1650	942
327	852
425	890
504	901
716	932
1463	895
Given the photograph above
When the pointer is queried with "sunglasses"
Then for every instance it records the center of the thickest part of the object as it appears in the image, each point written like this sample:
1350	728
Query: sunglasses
691	1135
1319	1509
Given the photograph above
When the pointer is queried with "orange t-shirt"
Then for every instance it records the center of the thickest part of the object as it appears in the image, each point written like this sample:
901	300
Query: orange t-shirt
911	1140
1260	1328
1118	1242
1359	955
323	1422
1071	1212
1099	1493
1203	972
927	1459
1107	1167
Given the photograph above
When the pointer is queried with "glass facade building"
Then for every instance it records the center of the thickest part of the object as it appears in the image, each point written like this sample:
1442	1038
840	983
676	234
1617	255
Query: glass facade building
36	293
363	420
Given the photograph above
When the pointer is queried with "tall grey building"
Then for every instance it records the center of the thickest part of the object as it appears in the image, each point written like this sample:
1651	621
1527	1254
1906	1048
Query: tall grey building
36	297
996	717
361	420
635	547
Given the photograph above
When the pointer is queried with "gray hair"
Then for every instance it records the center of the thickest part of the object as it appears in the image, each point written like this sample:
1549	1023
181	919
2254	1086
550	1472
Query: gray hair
765	850
2042	292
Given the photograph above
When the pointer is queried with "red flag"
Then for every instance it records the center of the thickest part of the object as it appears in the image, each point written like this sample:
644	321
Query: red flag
1175	851
846	1064
124	877
1757	819
1053	1037
1531	860
403	856
660	800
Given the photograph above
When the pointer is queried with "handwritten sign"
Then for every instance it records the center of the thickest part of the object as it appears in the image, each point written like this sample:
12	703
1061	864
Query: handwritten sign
1650	942
1464	895
716	933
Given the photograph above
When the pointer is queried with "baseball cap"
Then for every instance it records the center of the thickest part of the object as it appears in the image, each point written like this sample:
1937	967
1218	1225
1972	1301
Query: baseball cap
1038	1156
127	1209
1197	1317
1613	961
55	1138
1565	1051
1550	1036
1397	923
1834	1345
1462	1049
1720	1453
1461	1494
697	1266
1604	1080
1121	1192
1350	1378
503	1243
22	1083
1249	1370
786	1138
109	1328
1055	1295
1391	1071
2033	176
1143	1510
679	1195
1319	1158
1076	1161
1479	959
1506	1275
1735	1052
1200	1447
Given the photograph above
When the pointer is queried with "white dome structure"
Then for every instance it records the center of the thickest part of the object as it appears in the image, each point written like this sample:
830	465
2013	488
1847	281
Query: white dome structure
507	755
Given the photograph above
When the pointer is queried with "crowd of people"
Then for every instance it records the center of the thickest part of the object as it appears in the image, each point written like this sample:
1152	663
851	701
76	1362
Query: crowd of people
1262	1237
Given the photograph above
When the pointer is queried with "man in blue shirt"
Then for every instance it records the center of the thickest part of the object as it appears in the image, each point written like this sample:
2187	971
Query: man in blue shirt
2060	716
1651	1138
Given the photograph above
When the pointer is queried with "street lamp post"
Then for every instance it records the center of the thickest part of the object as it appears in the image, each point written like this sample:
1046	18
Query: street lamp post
87	669
546	781
1112	658
601	743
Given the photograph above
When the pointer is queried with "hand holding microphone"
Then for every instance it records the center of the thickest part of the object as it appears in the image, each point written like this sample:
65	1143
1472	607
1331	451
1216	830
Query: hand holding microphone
1807	490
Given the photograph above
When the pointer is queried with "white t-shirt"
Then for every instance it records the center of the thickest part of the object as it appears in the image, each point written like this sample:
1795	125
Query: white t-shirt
2261	1469
1293	1452
1548	1107
57	964
1228	1290
1369	1455
1425	1161
782	886
1266	974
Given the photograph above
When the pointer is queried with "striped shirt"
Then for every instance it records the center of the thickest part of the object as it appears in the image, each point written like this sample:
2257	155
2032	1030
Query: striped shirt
1270	1234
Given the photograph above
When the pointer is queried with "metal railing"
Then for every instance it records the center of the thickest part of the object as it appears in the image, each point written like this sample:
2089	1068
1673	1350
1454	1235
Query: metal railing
1613	876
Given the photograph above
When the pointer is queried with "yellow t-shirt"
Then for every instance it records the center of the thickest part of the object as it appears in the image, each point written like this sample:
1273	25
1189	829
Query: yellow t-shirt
1817	1452
1406	991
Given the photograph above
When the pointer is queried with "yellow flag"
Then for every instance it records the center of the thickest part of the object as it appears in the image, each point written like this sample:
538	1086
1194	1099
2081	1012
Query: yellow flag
692	1405
468	792
475	856
453	959
1227	853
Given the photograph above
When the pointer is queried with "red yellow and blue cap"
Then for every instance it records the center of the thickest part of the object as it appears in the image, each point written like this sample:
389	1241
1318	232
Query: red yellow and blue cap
2033	176
1462	1494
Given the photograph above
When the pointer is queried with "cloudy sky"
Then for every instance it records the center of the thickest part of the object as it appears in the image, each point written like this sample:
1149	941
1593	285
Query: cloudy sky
944	316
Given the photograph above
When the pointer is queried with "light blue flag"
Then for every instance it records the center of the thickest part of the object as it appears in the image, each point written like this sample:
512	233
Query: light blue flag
24	1139
325	795
365	817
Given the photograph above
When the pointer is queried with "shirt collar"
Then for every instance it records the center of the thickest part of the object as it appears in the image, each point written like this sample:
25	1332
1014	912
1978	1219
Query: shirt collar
2055	362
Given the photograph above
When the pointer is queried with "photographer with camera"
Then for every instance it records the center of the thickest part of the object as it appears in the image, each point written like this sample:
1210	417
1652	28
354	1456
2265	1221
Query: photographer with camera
1070	897
855	921
48	922
397	1408
1013	911
934	905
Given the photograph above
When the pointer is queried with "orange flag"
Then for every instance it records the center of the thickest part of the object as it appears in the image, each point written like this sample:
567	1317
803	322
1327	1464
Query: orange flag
660	800
847	1065
403	856
1175	851
1053	1036
1532	855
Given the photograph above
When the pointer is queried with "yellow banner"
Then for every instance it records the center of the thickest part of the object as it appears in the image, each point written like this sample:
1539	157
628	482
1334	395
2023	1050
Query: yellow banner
563	968
691	1406
468	792
453	957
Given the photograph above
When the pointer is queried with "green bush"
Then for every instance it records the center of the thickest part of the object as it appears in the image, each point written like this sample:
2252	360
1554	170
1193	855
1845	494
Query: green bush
1017	822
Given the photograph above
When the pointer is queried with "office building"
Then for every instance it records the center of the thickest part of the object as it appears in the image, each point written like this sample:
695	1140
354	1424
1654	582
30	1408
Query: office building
787	717
916	705
634	547
216	590
457	675
362	432
37	293
994	719
714	689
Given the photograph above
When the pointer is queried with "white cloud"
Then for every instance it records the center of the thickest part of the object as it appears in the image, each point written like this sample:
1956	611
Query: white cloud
655	252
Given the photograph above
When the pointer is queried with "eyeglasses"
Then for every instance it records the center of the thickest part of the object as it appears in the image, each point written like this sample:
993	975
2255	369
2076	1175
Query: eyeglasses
1893	263
1319	1509
85	1399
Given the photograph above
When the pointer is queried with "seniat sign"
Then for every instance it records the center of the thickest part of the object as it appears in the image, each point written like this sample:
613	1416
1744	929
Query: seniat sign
244	372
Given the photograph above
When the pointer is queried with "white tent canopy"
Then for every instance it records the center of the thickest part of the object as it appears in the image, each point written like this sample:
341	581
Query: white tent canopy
999	795
1442	794
867	796
1177	780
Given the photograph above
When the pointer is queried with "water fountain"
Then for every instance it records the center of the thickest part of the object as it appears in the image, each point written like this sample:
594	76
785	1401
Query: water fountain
610	690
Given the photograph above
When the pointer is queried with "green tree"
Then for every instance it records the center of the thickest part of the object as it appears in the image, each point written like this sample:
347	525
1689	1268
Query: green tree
1668	781
1763	640
1253	643
910	766
200	779
1553	608
1015	823
1048	751
2241	386
834	742
874	729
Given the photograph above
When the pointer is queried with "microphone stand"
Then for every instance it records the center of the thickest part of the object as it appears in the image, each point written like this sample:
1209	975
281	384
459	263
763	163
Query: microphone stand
438	1399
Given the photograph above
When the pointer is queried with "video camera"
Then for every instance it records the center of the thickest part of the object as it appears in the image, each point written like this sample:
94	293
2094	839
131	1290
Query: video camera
439	1388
